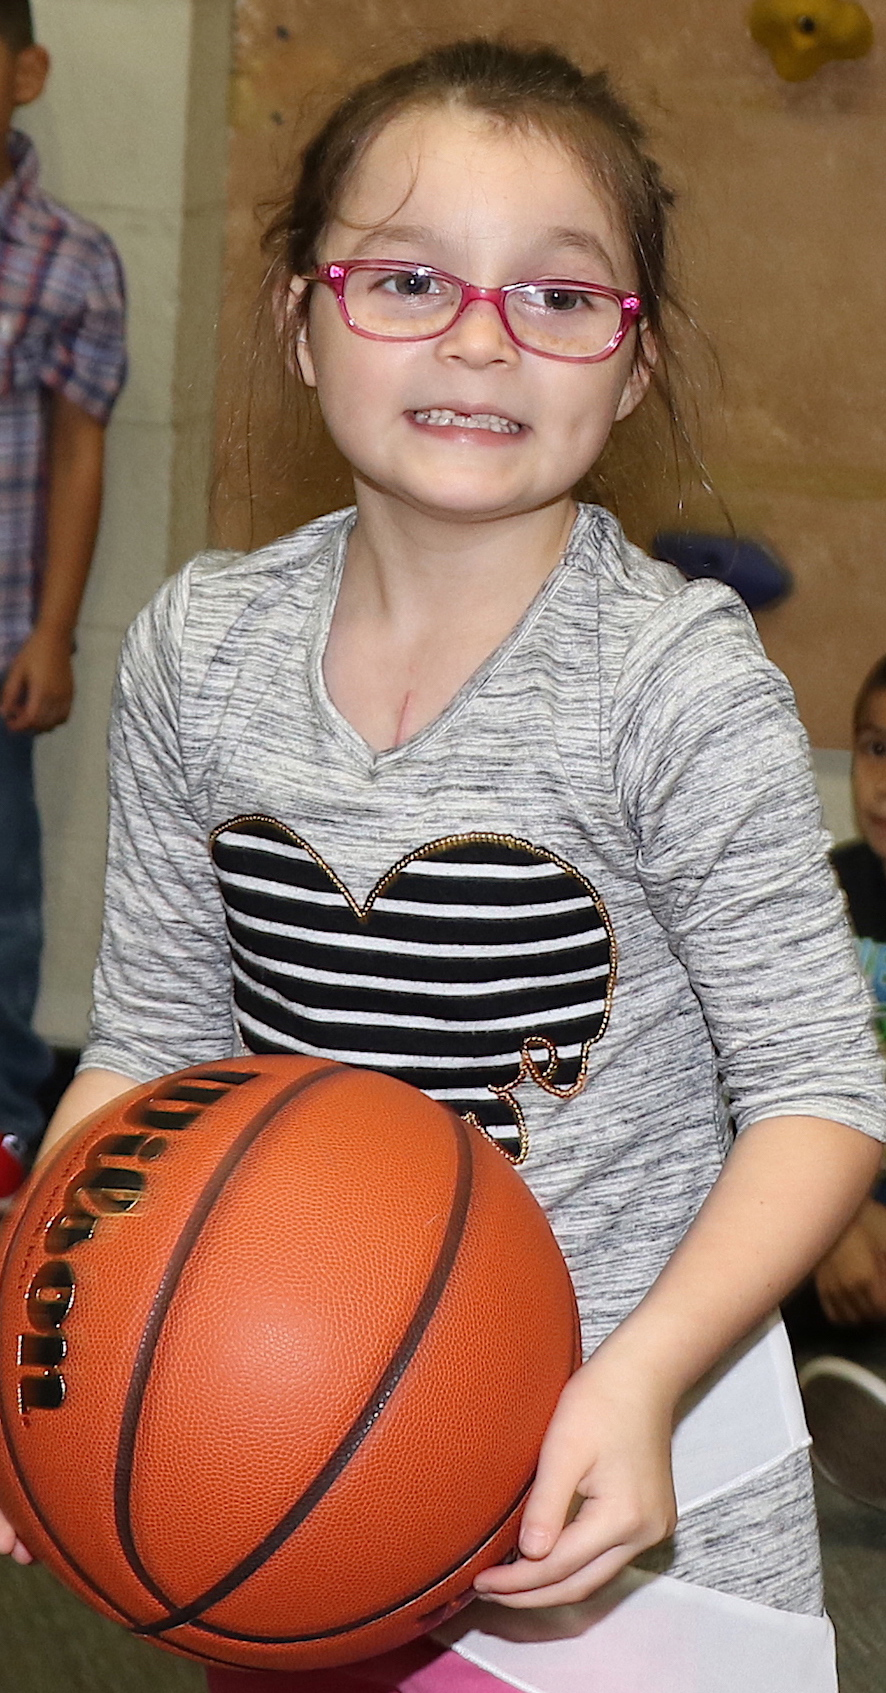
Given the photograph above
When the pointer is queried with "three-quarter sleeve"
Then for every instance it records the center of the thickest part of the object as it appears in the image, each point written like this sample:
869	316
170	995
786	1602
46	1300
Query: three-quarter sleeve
162	980
715	782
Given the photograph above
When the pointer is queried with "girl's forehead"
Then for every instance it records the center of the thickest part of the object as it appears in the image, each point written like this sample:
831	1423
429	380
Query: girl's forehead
457	174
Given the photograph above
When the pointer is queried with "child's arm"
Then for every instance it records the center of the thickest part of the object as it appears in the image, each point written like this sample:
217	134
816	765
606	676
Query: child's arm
717	795
609	1440
39	687
88	1092
851	1279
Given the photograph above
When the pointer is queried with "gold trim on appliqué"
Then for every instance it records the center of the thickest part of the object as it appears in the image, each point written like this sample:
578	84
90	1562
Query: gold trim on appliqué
529	1069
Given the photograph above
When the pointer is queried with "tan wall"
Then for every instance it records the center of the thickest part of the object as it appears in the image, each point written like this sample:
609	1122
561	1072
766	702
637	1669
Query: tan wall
780	228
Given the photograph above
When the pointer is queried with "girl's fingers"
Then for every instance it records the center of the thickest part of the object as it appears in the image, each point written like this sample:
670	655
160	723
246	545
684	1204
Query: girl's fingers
588	1539
550	1502
564	1461
572	1589
11	1545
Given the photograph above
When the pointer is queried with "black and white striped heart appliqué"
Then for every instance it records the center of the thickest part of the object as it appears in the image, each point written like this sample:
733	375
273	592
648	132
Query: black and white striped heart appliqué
477	966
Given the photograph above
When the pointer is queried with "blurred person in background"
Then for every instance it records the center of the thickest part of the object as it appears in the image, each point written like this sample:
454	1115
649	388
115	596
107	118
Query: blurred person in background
62	364
851	1279
845	1400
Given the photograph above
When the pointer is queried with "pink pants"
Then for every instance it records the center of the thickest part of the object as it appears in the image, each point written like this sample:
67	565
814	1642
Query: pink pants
419	1668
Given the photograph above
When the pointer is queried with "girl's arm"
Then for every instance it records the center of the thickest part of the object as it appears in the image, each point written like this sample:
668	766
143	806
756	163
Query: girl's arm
162	983
713	778
88	1092
609	1441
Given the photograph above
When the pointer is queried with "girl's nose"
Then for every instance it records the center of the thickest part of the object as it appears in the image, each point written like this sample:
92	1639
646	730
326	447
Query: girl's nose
479	337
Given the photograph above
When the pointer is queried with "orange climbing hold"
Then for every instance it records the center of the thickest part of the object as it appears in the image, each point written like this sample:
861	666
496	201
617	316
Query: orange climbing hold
801	38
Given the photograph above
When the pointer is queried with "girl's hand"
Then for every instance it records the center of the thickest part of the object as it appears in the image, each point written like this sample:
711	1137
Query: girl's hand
608	1447
9	1542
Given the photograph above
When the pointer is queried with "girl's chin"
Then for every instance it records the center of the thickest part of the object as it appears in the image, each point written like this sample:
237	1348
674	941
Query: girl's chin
464	501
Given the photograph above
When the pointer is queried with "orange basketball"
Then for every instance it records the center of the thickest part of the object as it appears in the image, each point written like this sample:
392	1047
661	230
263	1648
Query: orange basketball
279	1340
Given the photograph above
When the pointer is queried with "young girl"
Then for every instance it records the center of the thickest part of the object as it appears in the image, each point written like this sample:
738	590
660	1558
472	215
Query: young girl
460	785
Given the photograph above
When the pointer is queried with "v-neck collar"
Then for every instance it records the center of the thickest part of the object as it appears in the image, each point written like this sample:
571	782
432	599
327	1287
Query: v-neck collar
372	761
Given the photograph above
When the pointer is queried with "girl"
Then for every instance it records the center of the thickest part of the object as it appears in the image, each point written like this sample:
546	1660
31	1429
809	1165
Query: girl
461	785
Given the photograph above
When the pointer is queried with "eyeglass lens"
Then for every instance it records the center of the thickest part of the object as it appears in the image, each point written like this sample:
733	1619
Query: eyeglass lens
565	322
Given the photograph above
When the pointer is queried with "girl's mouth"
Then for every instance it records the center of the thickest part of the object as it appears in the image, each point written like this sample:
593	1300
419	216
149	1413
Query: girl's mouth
443	418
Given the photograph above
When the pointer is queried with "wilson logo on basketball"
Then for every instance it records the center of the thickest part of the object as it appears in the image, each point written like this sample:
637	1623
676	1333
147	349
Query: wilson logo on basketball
111	1183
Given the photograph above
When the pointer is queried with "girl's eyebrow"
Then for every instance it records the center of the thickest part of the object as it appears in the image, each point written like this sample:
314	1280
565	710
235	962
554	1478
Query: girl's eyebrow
404	234
582	241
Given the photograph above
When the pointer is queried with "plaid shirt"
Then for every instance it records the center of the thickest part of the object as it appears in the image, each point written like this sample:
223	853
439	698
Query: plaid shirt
61	331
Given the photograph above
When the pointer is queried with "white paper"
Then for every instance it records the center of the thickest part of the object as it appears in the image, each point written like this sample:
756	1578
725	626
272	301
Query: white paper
652	1634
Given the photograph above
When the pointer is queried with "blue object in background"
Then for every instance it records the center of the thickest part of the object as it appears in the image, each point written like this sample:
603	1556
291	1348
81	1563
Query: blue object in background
751	569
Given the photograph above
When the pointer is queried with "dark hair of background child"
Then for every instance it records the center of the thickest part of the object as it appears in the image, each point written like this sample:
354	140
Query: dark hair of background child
16	24
874	682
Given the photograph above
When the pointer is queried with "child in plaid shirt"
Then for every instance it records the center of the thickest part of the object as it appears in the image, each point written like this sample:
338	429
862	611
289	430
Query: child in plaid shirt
62	363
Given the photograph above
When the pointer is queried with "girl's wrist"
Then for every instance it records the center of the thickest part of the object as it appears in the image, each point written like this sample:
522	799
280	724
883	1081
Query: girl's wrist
638	1355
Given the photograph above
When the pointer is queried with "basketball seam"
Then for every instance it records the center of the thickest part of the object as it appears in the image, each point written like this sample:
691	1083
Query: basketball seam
376	1616
370	1411
129	1422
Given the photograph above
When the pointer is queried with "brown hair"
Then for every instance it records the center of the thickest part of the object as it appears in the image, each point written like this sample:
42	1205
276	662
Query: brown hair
16	25
528	88
874	683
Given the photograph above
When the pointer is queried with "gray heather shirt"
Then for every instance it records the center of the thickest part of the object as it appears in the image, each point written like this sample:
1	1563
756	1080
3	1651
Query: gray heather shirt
584	904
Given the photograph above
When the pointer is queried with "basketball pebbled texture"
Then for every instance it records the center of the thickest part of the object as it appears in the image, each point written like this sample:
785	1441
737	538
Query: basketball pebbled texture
279	1341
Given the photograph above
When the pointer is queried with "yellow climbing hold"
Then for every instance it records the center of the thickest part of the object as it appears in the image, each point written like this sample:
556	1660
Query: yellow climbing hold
800	38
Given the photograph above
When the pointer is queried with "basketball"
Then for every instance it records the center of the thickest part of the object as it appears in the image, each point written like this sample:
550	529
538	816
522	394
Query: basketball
279	1341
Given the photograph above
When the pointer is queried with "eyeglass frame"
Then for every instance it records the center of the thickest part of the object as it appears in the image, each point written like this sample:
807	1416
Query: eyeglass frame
335	276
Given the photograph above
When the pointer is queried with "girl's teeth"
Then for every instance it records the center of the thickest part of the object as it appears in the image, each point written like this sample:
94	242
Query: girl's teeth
468	420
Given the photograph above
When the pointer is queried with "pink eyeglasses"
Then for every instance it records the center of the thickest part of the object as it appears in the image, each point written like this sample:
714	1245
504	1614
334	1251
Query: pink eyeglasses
392	300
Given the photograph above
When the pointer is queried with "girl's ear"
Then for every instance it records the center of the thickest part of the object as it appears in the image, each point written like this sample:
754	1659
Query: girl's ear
292	330
31	71
645	360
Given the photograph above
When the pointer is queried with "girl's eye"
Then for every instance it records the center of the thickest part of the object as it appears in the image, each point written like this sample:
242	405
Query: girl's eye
408	284
564	300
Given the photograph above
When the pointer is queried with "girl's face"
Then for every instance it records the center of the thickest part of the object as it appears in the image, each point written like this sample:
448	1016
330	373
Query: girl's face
869	772
451	189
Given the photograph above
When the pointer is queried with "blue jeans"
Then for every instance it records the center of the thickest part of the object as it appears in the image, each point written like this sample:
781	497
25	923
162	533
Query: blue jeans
25	1060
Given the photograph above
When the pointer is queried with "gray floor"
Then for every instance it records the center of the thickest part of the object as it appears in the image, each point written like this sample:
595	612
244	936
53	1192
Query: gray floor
853	1539
854	1546
50	1643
